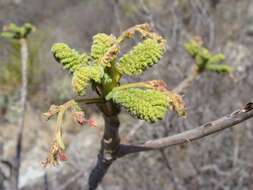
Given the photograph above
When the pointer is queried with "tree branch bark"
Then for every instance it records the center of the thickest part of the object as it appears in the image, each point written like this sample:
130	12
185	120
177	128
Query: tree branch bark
209	128
109	145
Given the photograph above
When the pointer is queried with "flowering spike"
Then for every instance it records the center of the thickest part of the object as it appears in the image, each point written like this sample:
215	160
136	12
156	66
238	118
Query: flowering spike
149	105
143	56
55	154
69	58
101	44
84	75
177	103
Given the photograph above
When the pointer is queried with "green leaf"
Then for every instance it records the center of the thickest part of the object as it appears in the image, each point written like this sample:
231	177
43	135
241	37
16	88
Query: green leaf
12	31
219	68
217	58
192	47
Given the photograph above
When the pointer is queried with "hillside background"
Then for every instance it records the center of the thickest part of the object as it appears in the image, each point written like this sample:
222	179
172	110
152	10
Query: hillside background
218	162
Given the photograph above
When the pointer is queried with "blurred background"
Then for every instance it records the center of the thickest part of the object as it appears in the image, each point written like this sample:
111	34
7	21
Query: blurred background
219	162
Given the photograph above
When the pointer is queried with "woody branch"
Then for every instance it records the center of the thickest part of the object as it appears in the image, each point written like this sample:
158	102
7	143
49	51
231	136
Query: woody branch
207	129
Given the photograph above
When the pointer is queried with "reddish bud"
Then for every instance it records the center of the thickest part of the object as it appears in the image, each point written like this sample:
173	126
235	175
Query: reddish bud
62	156
79	117
91	122
158	85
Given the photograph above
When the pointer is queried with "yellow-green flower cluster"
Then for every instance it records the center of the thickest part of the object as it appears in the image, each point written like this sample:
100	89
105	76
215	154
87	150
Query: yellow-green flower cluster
69	58
15	32
84	75
142	56
101	66
101	44
149	105
205	60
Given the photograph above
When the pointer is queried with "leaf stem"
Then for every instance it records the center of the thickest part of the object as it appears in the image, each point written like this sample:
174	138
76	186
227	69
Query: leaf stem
89	100
134	85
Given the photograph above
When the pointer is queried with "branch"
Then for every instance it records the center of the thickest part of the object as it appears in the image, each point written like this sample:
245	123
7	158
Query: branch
209	128
109	145
24	60
89	100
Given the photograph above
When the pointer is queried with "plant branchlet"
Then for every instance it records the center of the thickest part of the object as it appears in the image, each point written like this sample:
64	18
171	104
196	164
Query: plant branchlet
103	69
205	61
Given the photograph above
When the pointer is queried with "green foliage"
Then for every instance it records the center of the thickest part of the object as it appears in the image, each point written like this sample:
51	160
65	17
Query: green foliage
12	31
140	58
84	75
218	68
149	105
69	58
101	44
205	61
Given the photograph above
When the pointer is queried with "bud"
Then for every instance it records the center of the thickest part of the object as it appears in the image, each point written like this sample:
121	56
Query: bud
79	117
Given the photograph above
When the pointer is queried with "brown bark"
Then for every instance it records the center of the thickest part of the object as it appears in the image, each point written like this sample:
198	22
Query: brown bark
109	145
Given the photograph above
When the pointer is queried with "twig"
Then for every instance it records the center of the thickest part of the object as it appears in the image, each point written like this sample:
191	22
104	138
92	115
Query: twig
109	145
193	134
24	60
89	101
